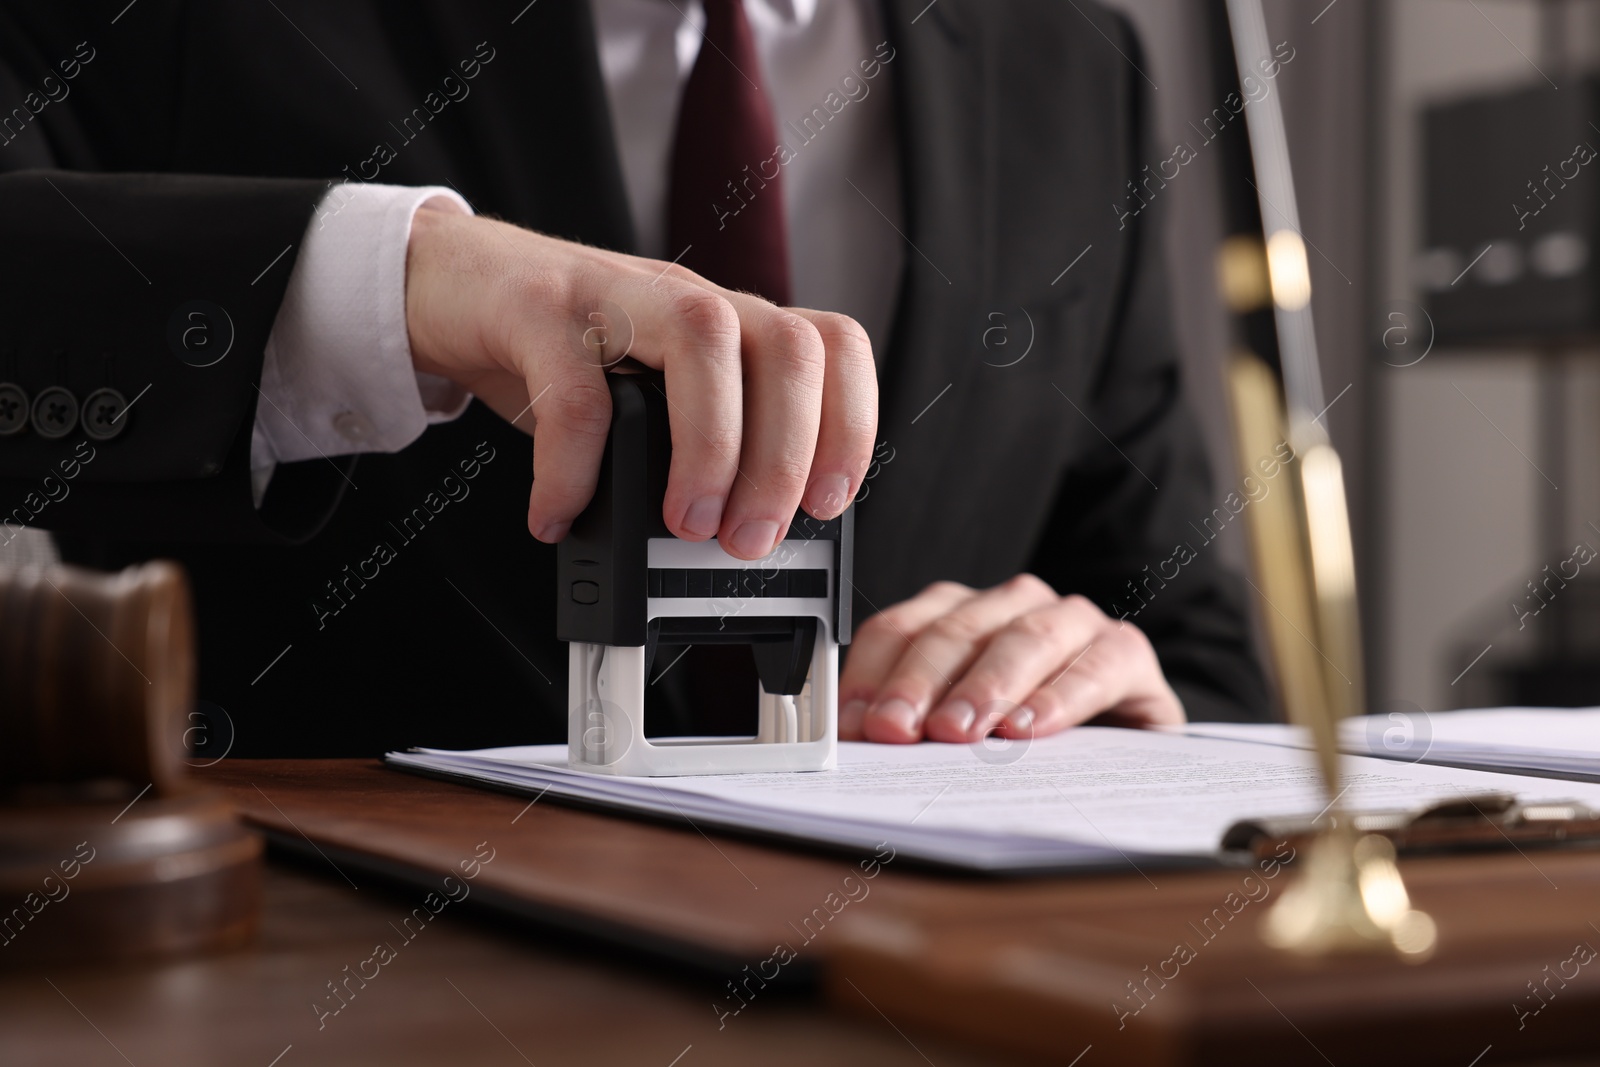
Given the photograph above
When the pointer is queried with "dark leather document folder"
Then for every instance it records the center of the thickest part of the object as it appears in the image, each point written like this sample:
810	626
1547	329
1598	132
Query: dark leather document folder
707	899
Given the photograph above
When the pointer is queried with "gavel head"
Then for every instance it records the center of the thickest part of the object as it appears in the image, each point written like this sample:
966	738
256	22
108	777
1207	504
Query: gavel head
96	676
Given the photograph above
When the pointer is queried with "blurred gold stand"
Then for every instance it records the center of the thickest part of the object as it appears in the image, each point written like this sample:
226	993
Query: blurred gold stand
1350	896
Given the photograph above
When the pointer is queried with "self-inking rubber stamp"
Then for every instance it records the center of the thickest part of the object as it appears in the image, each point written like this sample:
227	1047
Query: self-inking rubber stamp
626	587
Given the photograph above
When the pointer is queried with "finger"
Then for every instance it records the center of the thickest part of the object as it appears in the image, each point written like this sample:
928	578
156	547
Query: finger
849	414
942	652
677	322
784	362
1118	673
879	643
1028	652
569	439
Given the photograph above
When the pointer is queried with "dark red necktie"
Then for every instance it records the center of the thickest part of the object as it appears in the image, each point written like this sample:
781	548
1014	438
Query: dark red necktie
721	204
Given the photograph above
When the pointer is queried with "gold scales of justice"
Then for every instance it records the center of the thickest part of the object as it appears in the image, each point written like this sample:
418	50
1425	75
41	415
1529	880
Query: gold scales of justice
1350	896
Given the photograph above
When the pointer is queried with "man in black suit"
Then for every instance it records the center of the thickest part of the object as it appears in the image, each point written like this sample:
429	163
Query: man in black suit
249	320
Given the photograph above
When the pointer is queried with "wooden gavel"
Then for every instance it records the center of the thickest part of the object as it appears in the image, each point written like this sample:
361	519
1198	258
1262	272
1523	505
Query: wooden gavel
97	673
105	849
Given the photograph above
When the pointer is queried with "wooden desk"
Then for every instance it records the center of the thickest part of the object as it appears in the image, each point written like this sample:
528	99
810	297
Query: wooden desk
465	991
1030	965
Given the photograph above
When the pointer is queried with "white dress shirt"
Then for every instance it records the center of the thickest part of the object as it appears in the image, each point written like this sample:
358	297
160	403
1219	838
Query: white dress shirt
337	376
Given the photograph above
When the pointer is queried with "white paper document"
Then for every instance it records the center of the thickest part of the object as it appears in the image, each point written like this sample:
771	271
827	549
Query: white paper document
1094	797
1556	742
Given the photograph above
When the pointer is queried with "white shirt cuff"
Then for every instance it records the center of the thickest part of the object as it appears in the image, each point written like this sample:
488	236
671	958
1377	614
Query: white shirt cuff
337	375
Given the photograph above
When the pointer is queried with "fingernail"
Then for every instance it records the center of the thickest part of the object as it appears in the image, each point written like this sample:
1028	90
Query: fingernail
850	716
755	539
828	495
898	712
1020	719
961	713
554	532
704	516
991	719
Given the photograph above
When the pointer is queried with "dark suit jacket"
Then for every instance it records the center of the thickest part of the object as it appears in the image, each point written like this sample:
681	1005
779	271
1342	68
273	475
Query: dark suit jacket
186	152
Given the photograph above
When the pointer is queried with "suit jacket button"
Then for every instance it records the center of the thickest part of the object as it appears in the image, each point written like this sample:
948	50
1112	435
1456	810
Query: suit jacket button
104	414
55	412
13	409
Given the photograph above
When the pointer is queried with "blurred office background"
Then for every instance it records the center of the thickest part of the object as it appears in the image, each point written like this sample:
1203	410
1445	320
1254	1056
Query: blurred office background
1476	466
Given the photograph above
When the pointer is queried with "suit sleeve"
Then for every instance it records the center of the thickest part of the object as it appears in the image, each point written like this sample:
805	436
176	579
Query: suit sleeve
134	312
1128	527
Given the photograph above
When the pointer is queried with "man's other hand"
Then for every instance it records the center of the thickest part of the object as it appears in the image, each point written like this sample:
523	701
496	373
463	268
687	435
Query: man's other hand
770	407
956	664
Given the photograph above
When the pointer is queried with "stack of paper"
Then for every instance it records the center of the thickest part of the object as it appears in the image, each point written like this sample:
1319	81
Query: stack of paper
1093	797
1549	742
